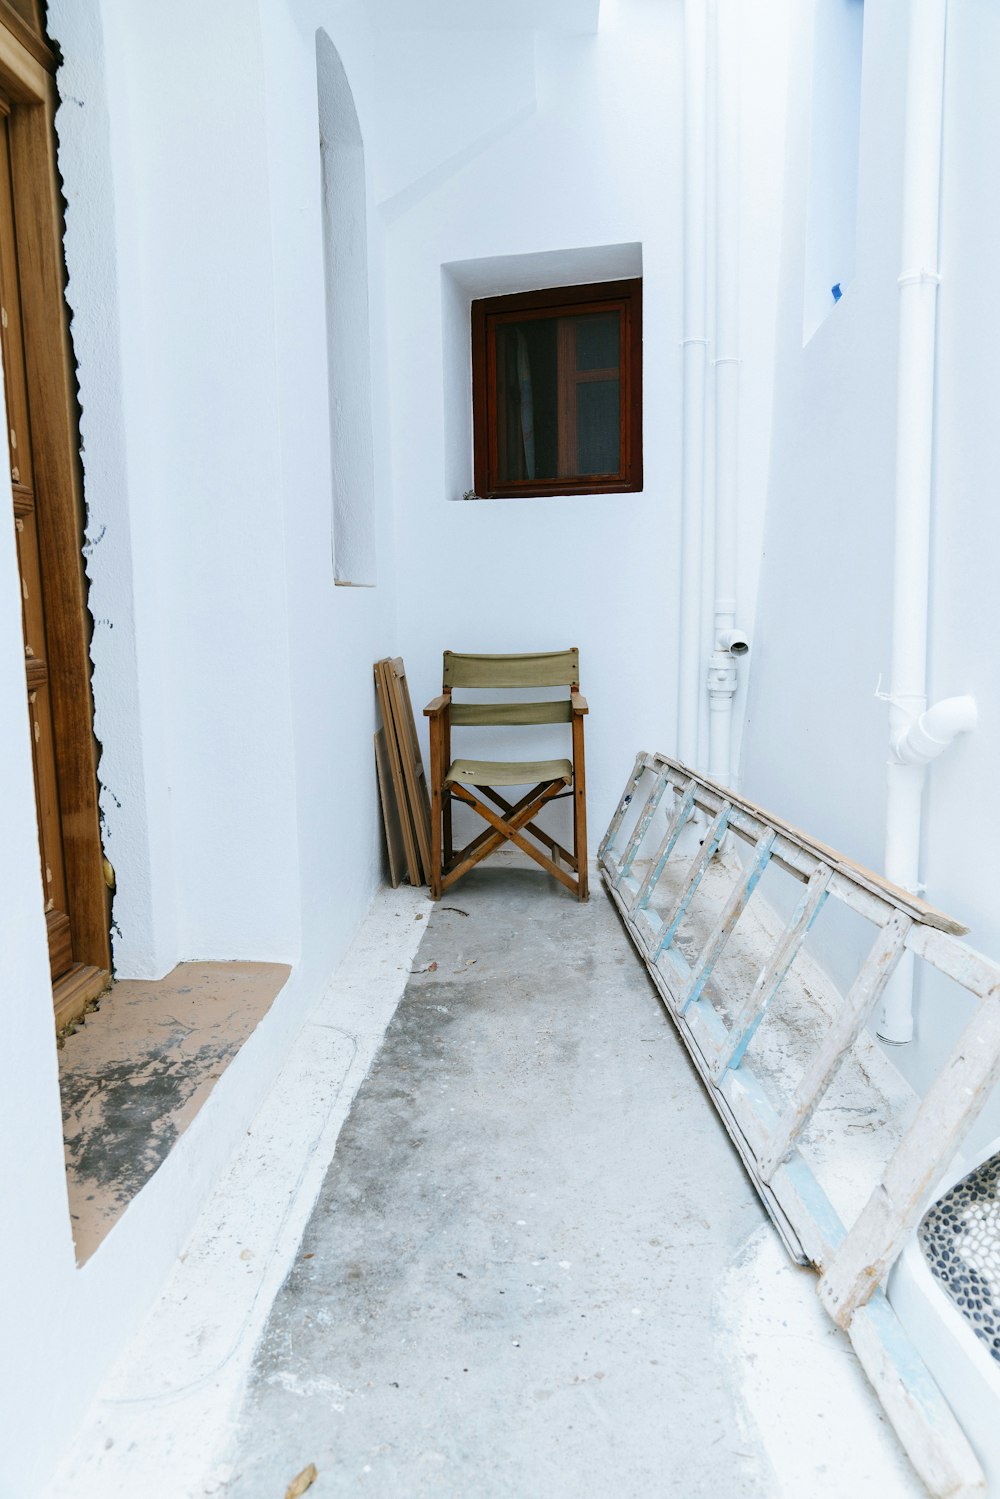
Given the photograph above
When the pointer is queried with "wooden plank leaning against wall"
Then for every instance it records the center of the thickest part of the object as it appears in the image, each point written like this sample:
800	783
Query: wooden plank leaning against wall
48	513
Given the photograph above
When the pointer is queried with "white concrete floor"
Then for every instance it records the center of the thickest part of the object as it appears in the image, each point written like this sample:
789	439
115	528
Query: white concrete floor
535	1266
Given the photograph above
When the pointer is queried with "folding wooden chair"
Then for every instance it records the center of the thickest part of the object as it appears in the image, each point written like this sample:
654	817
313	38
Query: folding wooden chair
549	779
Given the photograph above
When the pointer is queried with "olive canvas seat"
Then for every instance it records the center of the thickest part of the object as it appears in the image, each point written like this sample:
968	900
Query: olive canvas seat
549	780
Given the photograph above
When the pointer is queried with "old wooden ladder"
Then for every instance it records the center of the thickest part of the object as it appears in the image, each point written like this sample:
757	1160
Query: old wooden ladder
853	1259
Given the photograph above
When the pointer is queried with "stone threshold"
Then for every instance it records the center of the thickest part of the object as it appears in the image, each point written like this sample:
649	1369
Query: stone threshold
135	1074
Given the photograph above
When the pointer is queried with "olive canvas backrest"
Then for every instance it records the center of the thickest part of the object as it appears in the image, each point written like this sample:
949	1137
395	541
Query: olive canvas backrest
541	669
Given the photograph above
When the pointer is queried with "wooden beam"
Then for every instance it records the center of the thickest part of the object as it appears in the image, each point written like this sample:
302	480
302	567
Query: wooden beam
948	1110
922	1418
383	670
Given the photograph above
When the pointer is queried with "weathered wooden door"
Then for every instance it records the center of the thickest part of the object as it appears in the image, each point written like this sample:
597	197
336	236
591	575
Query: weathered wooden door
43	446
36	656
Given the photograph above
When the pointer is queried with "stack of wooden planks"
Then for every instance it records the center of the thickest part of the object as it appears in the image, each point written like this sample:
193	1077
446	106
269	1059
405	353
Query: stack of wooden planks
406	808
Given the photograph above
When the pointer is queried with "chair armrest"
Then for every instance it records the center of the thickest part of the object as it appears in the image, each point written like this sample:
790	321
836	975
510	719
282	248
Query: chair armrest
437	705
578	703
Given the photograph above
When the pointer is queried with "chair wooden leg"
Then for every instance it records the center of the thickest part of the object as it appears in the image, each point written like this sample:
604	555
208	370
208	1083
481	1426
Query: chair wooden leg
449	847
439	770
580	811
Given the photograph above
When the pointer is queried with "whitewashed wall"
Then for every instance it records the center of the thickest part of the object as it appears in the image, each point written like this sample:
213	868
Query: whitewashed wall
171	269
816	737
232	680
597	164
962	823
585	187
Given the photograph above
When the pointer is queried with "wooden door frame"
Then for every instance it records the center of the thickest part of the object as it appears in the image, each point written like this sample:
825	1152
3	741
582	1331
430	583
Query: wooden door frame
27	66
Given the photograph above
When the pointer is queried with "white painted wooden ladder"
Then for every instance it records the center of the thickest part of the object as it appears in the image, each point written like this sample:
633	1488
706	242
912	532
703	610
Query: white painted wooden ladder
853	1259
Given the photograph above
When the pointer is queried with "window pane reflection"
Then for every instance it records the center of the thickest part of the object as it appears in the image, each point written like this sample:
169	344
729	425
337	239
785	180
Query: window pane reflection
558	397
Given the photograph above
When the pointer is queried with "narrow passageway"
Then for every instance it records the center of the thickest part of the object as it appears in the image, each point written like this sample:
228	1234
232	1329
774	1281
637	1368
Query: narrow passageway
510	1282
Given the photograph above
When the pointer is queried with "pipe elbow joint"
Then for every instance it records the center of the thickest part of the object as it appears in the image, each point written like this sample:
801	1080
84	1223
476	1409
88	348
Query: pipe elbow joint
930	735
733	643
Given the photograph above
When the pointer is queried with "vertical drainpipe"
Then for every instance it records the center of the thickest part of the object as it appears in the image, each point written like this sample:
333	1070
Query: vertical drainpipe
918	284
695	357
722	680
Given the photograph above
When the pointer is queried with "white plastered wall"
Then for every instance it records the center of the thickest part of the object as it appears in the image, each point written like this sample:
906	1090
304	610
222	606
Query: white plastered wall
233	696
762	50
170	273
411	91
816	738
597	164
588	187
232	680
962	811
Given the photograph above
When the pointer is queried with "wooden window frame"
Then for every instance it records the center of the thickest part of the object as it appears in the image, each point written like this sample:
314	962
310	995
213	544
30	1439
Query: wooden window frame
561	301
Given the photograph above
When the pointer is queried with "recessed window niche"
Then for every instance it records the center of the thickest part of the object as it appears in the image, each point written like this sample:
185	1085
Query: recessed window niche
345	247
835	137
466	281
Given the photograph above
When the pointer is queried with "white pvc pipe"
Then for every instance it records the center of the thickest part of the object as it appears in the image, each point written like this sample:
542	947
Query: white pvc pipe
722	680
695	354
721	691
931	734
927	737
726	364
918	283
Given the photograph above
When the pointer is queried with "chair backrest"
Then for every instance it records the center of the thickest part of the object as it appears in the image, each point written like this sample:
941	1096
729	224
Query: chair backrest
541	669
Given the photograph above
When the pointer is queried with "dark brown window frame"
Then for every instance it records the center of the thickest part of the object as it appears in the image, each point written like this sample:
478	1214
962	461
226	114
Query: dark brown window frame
600	296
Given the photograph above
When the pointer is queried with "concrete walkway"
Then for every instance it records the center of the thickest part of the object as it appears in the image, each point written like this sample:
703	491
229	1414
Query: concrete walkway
510	1284
535	1268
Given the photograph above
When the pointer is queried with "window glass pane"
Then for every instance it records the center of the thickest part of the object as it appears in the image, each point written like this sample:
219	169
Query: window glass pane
597	437
557	384
526	399
597	341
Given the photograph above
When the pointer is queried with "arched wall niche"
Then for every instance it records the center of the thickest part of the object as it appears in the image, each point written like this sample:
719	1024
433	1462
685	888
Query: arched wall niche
345	248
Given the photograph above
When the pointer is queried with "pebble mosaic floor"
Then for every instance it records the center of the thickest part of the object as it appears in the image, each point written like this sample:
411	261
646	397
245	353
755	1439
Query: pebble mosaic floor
960	1238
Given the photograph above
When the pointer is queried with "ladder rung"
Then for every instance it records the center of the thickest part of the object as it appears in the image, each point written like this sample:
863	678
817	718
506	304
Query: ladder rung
641	763
641	827
772	975
708	851
675	827
726	925
847	1025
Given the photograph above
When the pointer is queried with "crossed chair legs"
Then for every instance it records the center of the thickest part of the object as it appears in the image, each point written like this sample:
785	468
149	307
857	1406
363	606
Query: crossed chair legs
517	819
